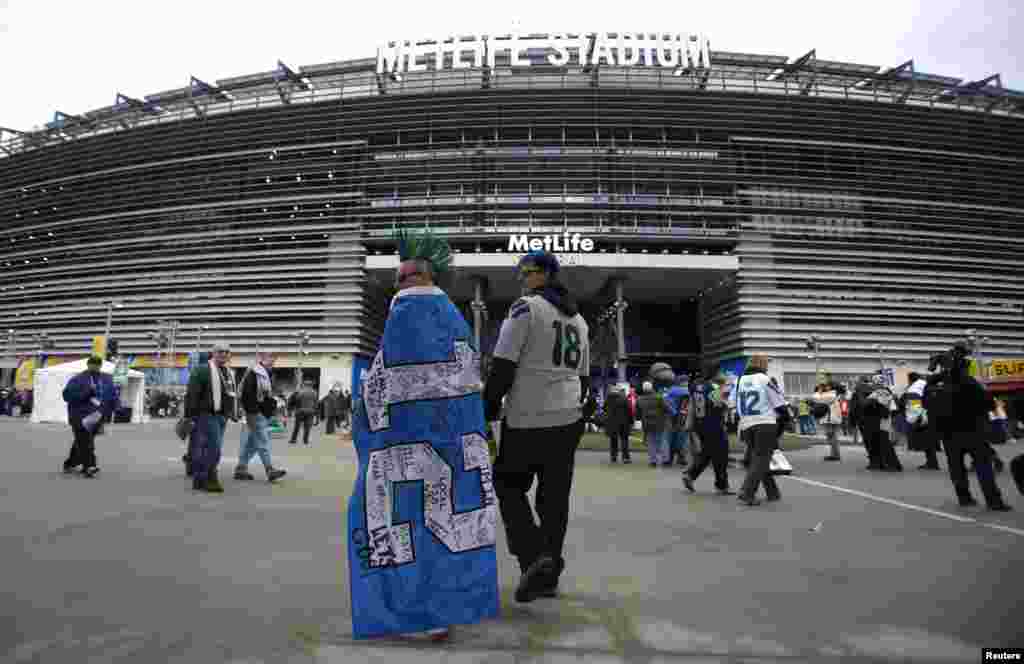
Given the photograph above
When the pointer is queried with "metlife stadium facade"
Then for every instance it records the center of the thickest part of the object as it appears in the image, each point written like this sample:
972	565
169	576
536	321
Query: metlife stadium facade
731	202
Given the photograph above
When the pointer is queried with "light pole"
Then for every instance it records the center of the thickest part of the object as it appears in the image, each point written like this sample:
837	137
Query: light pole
881	355
111	305
977	345
12	350
43	342
199	337
620	306
303	339
813	344
162	337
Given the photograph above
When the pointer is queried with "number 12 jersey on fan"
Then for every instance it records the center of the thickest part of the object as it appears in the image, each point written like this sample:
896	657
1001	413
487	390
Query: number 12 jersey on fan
551	351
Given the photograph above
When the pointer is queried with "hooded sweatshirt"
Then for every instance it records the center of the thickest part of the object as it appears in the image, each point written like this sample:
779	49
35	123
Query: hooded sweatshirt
542	361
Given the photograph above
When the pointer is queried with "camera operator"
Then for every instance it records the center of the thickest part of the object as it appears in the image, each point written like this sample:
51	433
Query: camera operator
959	406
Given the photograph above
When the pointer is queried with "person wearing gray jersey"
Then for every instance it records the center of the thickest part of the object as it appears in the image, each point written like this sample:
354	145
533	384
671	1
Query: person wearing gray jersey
541	368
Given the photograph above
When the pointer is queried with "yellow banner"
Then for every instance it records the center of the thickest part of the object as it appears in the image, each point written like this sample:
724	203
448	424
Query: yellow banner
25	374
150	361
99	346
1012	369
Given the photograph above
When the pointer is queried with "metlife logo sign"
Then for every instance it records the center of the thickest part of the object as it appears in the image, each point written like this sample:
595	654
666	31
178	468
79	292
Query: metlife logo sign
553	243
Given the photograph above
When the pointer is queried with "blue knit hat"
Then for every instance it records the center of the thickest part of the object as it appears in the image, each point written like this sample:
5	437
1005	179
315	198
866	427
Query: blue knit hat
542	259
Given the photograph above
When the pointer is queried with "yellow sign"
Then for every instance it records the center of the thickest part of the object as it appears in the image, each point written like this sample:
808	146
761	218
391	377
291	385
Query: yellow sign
99	345
150	361
1007	369
25	375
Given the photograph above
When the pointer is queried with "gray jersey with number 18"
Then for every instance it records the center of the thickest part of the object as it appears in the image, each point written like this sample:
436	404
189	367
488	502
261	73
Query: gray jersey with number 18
552	350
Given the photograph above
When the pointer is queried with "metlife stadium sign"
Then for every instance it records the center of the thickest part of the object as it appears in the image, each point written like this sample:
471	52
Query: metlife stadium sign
679	50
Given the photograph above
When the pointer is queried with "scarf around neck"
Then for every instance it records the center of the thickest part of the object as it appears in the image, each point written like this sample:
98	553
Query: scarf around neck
215	386
263	386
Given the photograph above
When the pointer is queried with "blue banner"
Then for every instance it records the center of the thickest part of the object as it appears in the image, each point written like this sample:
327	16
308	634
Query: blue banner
422	519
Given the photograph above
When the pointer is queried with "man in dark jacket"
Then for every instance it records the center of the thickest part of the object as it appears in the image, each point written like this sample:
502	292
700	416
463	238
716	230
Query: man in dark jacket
331	409
656	417
708	419
617	422
209	402
258	404
304	404
90	396
871	409
345	415
960	406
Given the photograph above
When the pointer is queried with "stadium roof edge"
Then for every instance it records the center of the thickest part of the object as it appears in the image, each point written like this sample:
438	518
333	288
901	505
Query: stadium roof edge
902	81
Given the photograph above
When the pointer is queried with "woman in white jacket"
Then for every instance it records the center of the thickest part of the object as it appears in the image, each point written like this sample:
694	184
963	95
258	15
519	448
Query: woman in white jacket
826	395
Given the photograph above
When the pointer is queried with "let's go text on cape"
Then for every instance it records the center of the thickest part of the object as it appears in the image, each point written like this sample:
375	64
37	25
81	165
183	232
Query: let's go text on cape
683	50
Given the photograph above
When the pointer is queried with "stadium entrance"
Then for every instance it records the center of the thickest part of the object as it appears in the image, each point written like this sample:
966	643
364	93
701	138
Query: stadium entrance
658	294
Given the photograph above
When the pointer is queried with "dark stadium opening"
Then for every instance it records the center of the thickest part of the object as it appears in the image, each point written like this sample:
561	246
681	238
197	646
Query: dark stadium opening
654	332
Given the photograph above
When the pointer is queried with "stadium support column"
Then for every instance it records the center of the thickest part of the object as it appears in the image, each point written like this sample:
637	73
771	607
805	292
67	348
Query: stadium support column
620	330
479	308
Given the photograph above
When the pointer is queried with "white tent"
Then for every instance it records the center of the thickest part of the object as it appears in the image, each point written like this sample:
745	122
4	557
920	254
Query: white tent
48	391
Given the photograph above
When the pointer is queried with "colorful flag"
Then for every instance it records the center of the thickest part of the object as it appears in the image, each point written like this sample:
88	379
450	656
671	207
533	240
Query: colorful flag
422	519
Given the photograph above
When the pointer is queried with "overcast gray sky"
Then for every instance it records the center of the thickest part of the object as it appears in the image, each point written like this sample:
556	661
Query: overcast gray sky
75	56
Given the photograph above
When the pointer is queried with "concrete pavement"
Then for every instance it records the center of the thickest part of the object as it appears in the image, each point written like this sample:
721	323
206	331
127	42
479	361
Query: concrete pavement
850	566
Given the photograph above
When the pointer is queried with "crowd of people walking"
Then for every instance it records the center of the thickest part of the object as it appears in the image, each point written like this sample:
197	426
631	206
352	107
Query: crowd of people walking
535	401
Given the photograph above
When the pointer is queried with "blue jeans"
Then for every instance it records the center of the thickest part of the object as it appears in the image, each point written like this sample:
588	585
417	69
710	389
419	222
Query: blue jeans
657	446
206	446
679	445
255	441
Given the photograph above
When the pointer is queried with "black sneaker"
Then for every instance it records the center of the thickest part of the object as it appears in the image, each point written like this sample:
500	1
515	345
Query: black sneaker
68	470
243	475
967	502
725	492
276	474
749	501
549	591
627	460
831	457
534	579
688	483
1001	507
92	471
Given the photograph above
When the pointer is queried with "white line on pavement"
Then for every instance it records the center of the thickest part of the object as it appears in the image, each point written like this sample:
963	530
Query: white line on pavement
908	506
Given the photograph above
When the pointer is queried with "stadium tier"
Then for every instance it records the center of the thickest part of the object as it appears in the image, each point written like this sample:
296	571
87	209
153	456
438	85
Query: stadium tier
733	204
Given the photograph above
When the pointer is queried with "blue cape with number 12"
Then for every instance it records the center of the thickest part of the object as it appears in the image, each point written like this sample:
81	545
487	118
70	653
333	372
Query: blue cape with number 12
422	518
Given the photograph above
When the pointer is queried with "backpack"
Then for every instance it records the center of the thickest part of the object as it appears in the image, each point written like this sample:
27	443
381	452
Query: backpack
819	410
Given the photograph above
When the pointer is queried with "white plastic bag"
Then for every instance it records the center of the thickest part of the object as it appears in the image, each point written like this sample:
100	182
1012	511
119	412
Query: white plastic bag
779	464
90	422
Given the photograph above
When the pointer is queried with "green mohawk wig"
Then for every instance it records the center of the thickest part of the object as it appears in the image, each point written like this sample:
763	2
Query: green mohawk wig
425	246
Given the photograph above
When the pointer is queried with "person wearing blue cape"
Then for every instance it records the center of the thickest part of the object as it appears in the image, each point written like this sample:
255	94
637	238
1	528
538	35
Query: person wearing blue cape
422	520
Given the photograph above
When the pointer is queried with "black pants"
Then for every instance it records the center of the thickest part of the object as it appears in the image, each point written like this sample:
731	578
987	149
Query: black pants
83	449
1017	470
958	444
331	422
926	439
714	450
619	440
549	455
306	421
881	453
763	441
